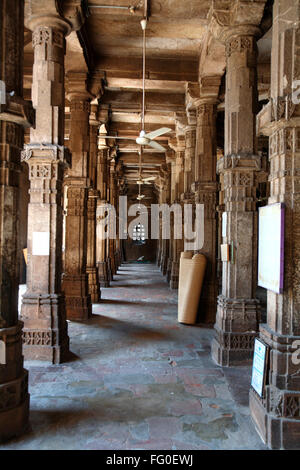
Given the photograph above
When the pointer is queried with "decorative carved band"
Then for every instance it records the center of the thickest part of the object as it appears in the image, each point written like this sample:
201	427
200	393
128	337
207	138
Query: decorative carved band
239	340
251	162
43	171
50	152
39	338
80	105
46	35
284	405
240	44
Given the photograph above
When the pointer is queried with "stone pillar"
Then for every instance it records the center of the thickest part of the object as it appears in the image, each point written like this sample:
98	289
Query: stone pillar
189	158
75	279
91	268
238	310
277	413
101	253
15	114
112	201
93	195
165	188
178	245
43	307
170	158
204	96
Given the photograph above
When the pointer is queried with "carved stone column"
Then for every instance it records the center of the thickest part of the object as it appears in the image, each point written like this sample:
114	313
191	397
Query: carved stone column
112	200
93	195
75	279
101	254
170	159
204	97
14	115
177	247
91	268
238	310
43	307
277	413
177	244
165	188
189	157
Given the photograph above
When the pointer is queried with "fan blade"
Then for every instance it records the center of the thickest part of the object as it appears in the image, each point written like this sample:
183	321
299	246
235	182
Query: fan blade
150	178
156	146
115	137
158	132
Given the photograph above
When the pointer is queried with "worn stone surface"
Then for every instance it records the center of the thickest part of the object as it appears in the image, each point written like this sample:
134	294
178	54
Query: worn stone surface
138	380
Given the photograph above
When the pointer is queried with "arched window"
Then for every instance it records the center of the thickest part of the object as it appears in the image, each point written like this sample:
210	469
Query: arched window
138	235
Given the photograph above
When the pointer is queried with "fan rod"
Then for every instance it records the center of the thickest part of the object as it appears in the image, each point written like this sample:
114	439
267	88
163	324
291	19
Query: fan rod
144	77
131	8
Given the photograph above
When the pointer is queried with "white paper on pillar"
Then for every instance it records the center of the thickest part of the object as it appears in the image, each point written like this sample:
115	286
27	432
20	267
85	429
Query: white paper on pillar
271	247
2	353
224	224
41	243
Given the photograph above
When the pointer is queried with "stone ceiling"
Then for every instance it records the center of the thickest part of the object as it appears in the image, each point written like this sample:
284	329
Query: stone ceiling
179	47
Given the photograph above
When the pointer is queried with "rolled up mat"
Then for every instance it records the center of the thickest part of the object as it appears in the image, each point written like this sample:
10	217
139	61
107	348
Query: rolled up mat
183	267
191	276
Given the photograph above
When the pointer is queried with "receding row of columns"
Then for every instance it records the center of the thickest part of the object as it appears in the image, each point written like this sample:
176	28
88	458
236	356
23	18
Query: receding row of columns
87	169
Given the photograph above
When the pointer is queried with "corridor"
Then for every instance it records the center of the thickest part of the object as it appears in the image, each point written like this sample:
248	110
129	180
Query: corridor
138	380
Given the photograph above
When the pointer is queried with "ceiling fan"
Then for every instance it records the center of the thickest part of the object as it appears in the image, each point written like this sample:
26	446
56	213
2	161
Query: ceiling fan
145	139
140	181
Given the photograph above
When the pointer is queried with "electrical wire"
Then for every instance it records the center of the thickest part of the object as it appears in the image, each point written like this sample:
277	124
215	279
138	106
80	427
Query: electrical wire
144	78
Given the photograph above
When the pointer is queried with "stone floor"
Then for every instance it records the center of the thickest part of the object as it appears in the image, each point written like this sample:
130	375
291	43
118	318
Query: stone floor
138	380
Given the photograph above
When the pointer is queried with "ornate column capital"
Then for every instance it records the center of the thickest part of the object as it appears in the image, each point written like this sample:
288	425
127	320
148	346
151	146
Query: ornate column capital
77	87
66	16
181	122
229	18
206	91
170	156
94	114
177	143
17	110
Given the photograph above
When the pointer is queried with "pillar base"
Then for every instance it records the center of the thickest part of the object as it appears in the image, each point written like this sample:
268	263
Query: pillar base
169	270
14	421
103	274
208	303
14	396
45	333
158	259
277	414
164	262
235	331
233	349
109	269
94	287
113	265
78	300
116	261
174	281
276	418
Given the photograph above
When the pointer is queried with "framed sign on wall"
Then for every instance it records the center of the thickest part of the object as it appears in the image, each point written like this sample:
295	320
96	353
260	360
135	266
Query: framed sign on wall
260	365
271	247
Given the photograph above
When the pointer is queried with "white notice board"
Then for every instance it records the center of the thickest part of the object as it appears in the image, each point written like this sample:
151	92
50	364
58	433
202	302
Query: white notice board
259	368
271	247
